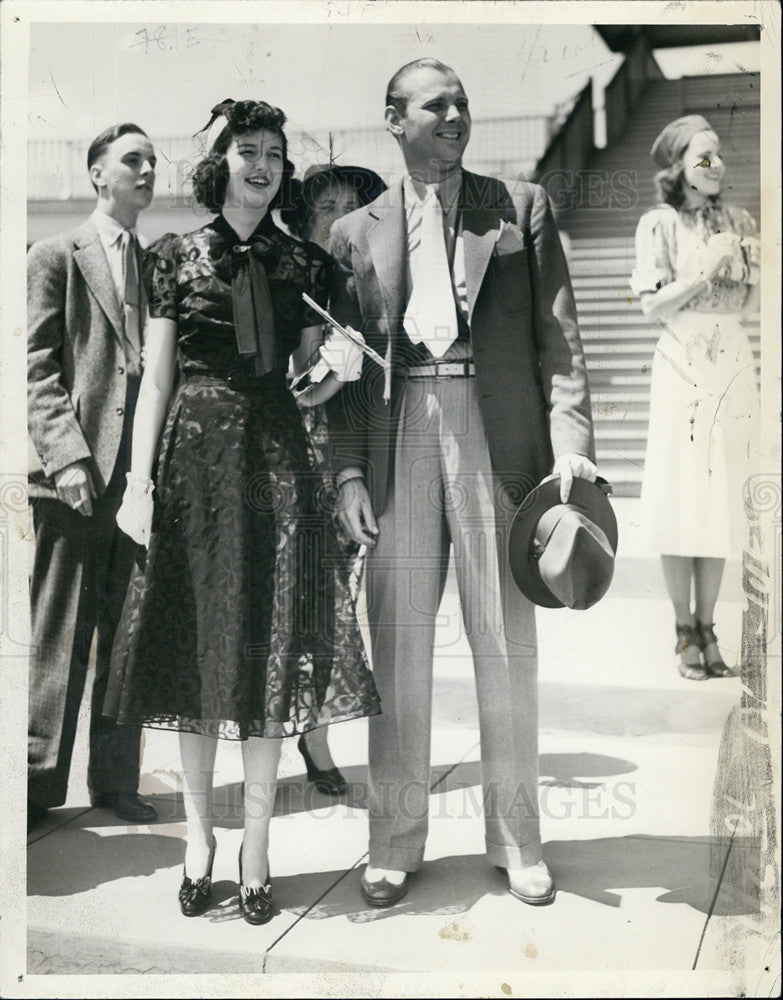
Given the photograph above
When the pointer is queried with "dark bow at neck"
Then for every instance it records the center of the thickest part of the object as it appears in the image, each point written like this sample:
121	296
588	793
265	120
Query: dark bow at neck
250	296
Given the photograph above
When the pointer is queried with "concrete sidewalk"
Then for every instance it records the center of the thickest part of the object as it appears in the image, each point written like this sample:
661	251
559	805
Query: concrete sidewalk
628	761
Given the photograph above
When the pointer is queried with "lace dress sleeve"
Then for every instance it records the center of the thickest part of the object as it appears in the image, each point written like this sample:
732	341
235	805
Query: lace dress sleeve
160	277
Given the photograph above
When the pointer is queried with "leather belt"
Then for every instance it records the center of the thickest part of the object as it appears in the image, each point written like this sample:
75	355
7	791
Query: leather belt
444	369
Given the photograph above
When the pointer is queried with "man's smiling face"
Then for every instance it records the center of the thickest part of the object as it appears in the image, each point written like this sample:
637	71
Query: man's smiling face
434	129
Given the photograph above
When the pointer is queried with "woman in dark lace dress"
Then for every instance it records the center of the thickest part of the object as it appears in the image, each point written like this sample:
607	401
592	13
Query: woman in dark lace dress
239	624
697	273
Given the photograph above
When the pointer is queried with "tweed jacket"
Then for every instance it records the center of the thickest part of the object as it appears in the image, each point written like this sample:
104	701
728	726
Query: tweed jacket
76	376
530	369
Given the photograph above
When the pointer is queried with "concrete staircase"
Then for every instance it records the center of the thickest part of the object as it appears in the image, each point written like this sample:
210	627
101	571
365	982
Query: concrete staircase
616	188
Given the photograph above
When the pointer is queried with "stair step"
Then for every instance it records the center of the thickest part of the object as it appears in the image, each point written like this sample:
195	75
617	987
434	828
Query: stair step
629	318
615	401
611	297
630	455
606	434
585	281
613	301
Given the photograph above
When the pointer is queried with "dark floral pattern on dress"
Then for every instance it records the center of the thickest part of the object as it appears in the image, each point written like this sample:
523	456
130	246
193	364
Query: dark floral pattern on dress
188	279
239	620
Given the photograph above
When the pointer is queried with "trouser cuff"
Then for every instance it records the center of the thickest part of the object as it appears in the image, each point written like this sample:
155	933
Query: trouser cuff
398	859
515	857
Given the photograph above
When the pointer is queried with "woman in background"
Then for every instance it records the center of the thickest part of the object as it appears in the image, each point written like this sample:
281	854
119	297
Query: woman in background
328	193
240	624
697	272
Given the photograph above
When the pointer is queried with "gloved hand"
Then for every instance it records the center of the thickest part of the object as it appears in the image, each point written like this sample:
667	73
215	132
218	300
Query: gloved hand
135	514
342	356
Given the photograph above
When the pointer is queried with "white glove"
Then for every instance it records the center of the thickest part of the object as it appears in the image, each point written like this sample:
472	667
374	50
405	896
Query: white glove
342	356
135	514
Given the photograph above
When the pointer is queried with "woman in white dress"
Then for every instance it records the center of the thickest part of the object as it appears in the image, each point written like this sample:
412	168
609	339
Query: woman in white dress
697	273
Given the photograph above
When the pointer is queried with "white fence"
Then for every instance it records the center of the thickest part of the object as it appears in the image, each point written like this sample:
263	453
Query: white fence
57	169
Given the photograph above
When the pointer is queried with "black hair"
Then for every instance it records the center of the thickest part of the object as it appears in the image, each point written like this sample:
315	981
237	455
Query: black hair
394	95
210	176
104	139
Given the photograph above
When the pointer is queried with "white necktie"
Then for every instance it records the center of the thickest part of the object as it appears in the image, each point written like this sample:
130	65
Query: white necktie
431	316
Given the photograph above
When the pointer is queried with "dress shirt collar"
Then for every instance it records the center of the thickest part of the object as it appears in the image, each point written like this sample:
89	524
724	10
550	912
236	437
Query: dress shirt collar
448	190
108	228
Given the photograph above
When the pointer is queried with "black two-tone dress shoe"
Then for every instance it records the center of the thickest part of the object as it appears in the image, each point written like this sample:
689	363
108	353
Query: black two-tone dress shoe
125	805
383	893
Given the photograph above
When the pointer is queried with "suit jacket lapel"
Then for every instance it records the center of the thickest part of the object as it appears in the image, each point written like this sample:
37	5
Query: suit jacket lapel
91	260
480	225
388	249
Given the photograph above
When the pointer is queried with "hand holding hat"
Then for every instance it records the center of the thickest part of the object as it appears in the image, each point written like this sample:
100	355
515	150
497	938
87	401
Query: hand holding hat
562	554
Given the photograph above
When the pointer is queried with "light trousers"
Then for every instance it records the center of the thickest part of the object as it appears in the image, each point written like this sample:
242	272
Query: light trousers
445	498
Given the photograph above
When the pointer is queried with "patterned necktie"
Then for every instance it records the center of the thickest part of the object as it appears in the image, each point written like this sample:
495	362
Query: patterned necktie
131	300
431	316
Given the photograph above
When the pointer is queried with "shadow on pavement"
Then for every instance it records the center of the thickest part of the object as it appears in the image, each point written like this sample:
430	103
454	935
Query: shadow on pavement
79	860
599	870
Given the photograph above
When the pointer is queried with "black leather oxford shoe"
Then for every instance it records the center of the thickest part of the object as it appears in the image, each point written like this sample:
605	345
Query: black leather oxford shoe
131	807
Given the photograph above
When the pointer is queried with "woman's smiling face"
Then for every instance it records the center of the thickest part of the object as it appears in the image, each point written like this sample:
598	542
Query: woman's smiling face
703	167
255	161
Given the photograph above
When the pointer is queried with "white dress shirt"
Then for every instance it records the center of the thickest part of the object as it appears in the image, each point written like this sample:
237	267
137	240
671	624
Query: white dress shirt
110	232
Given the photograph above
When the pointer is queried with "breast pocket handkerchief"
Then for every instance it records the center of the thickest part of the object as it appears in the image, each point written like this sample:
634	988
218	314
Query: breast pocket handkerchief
510	239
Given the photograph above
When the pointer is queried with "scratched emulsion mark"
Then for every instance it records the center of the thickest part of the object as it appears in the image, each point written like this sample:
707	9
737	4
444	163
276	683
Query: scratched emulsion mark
743	814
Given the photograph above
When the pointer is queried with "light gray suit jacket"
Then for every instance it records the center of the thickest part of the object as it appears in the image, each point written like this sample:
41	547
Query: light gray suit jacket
76	373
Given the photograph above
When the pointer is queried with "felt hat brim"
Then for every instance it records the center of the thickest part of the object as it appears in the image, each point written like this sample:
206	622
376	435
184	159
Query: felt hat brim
589	498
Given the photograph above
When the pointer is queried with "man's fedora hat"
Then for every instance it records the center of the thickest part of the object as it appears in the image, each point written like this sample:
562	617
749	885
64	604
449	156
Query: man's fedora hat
562	554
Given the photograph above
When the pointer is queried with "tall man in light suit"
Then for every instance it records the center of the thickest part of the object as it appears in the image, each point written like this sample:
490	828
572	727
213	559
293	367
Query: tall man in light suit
86	311
460	281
